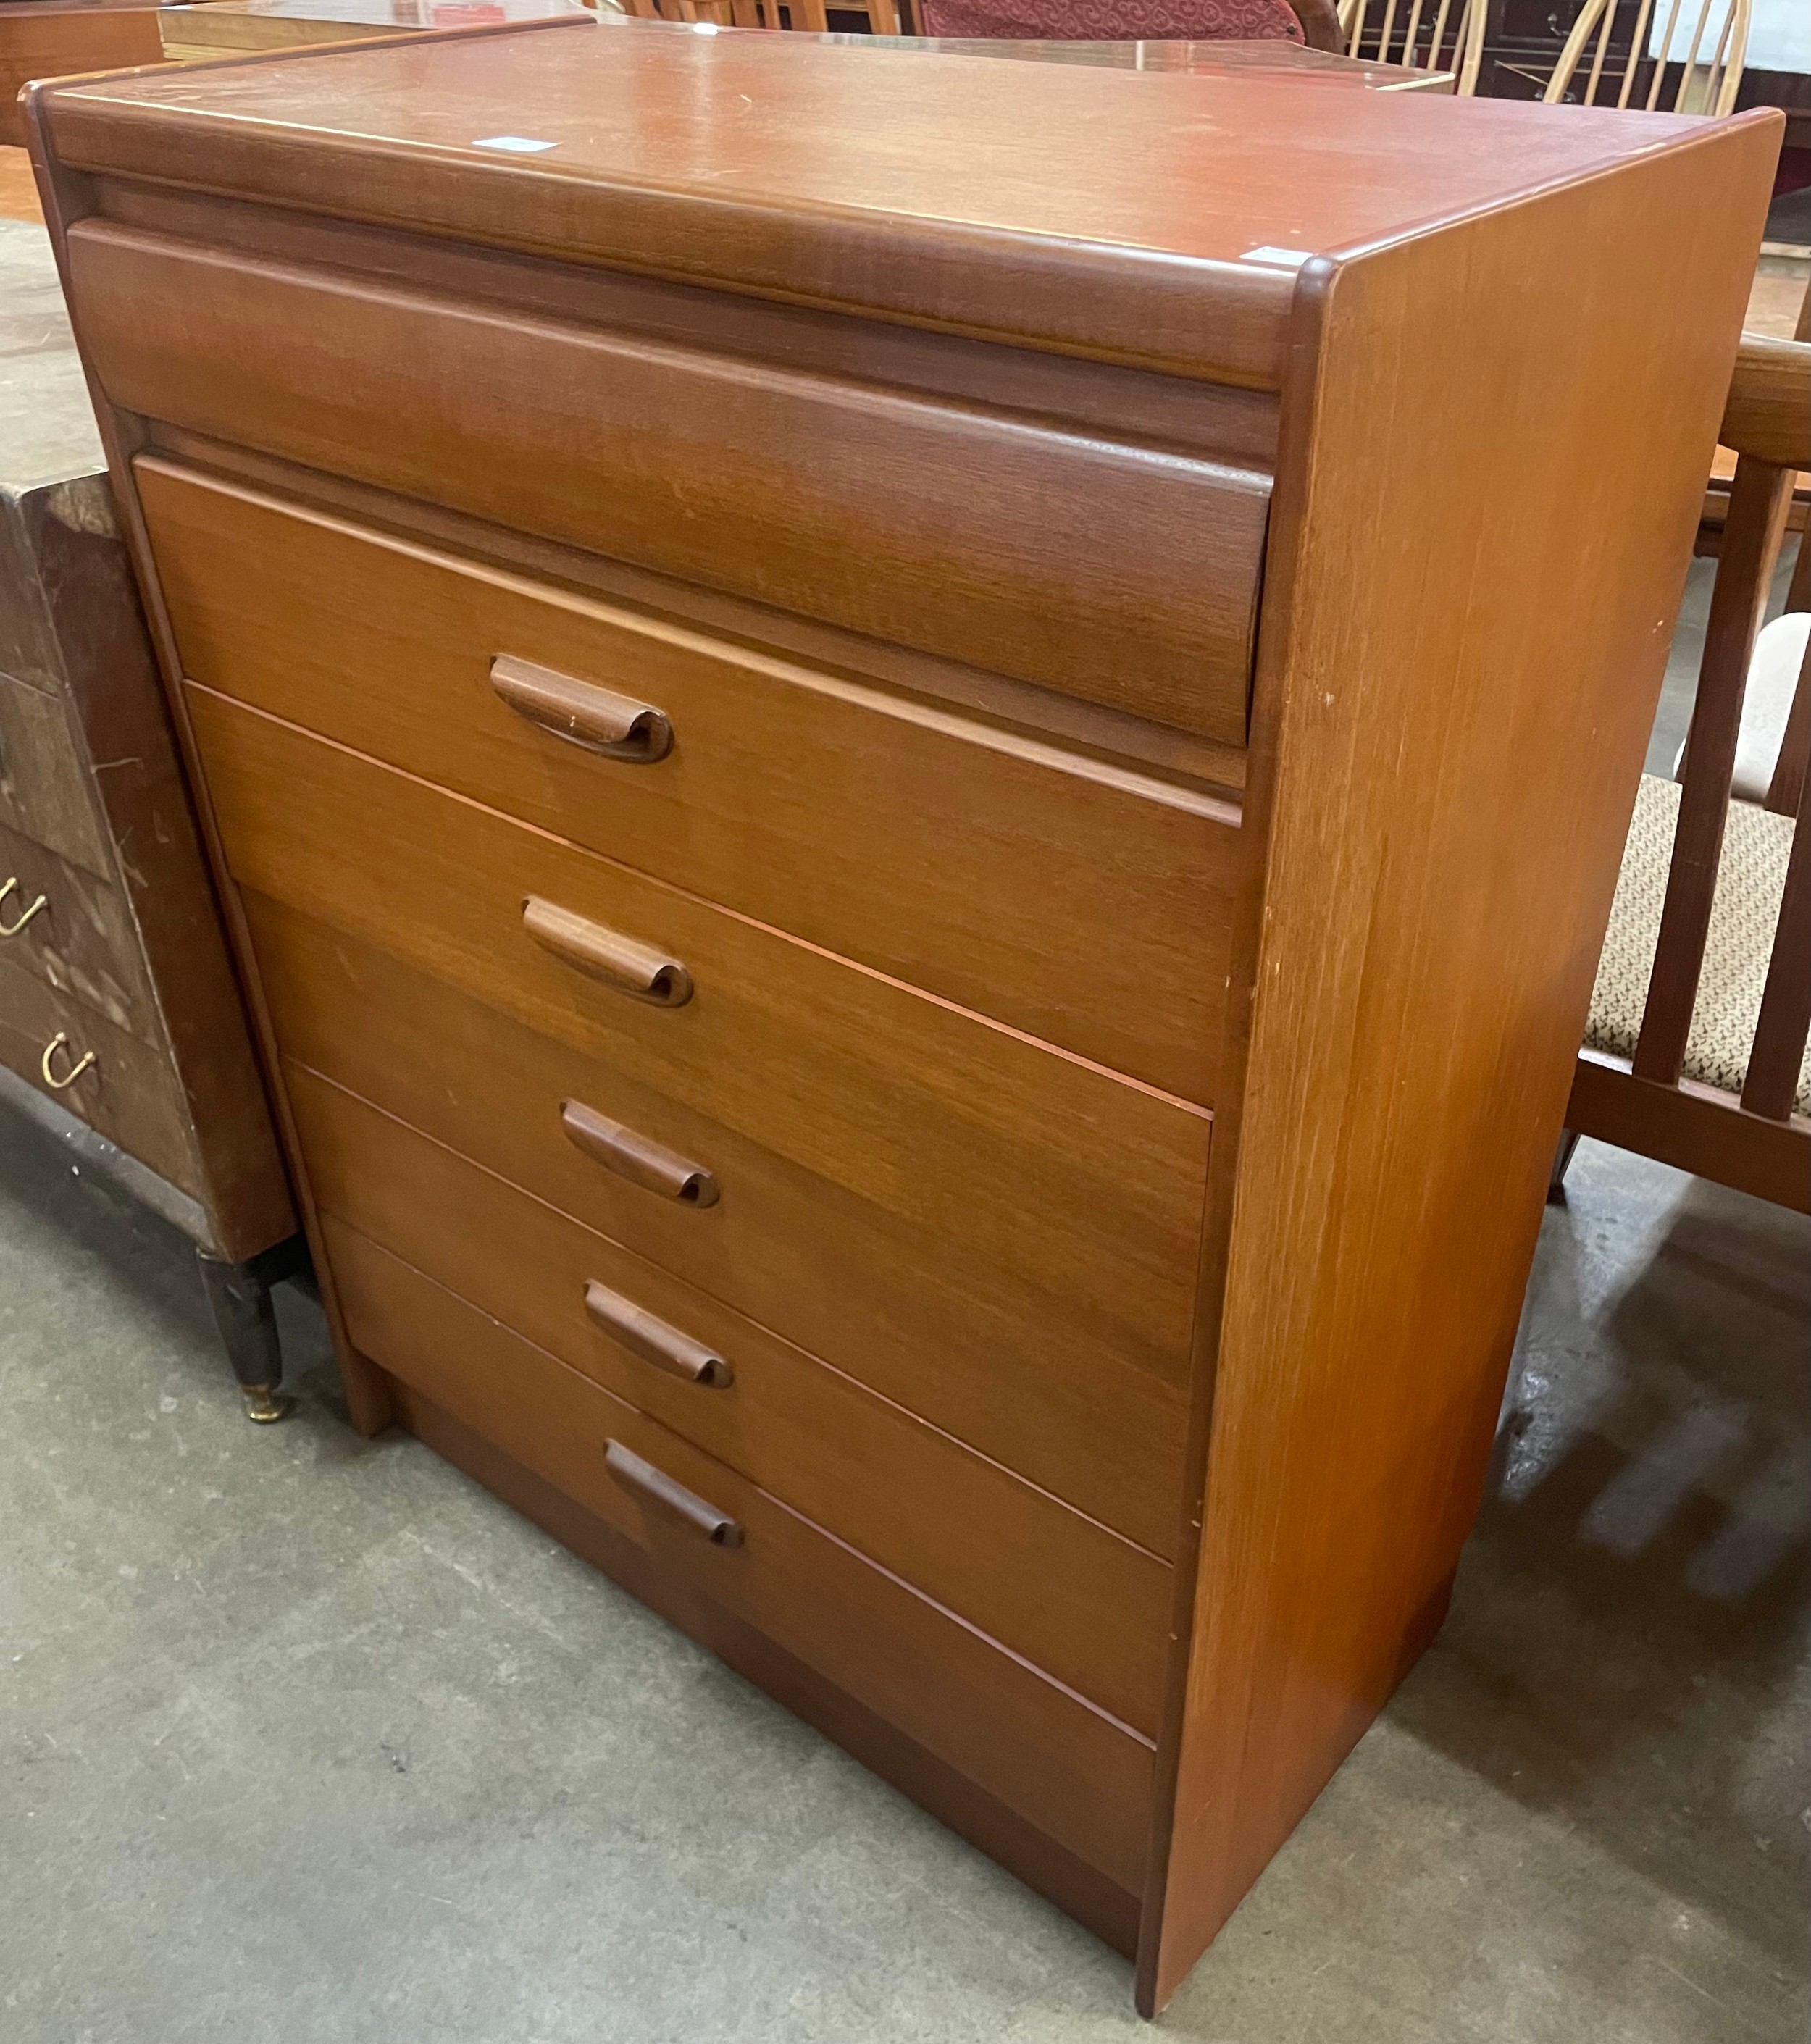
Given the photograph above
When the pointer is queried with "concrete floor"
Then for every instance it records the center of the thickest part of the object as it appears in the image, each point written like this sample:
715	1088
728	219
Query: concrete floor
305	1740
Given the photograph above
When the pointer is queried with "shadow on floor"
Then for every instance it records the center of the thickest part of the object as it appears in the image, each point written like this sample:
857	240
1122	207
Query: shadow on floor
1632	1620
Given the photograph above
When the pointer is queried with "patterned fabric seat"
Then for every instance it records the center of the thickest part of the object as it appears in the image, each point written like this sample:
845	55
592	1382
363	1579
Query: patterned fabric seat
1114	20
1751	879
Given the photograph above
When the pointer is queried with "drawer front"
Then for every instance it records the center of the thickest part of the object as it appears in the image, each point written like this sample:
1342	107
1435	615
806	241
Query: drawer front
895	1304
74	933
44	785
128	1093
1090	909
1068	1770
1079	1602
1125	575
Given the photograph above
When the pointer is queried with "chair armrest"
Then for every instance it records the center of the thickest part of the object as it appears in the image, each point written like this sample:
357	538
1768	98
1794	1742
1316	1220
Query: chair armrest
1768	414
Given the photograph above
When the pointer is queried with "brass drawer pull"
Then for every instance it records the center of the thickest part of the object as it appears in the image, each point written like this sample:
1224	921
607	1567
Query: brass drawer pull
633	1473
582	712
646	1334
620	962
60	1042
13	929
639	1159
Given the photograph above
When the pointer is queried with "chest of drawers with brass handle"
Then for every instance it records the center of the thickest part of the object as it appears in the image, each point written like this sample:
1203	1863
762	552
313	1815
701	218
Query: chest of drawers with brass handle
921	848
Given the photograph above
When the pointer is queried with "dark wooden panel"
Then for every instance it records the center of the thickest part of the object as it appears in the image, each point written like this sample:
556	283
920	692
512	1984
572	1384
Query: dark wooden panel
1073	1773
43	782
1125	575
959	1342
129	1093
971	859
81	941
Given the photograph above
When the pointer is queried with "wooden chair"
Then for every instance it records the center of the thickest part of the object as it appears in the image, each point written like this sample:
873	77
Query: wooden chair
1695	1050
1706	40
1421	35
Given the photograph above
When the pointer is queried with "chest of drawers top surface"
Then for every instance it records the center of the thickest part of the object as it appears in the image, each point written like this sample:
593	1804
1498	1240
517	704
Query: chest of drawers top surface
1125	215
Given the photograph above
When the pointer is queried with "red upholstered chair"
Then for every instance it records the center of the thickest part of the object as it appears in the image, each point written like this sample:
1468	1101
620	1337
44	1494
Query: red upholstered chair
1114	21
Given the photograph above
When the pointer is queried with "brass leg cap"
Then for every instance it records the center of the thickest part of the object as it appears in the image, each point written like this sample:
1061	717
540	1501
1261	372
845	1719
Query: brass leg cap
265	1404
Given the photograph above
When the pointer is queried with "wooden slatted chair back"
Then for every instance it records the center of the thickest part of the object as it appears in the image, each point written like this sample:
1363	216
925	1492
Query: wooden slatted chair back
1682	56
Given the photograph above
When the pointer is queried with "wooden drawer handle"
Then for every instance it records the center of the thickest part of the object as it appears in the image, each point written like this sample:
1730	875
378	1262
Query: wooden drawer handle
620	962
77	1065
637	1158
12	929
582	712
646	1334
633	1473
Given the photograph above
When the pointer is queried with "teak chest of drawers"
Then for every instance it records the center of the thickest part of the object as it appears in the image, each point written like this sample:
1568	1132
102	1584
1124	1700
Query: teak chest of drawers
922	817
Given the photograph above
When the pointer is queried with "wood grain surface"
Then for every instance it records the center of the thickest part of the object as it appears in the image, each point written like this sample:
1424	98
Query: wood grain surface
962	1343
1430	931
1085	1606
968	858
1768	414
1073	1181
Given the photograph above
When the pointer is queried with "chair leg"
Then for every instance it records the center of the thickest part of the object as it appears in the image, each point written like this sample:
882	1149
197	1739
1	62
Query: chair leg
239	1296
1561	1157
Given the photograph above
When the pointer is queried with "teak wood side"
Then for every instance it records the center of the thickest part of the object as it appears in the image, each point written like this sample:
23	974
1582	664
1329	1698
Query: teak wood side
1014	850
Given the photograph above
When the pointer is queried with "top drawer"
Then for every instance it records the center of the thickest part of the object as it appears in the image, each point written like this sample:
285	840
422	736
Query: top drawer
1124	573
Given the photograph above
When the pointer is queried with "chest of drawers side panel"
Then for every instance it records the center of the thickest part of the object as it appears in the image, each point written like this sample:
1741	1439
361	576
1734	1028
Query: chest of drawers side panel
1446	740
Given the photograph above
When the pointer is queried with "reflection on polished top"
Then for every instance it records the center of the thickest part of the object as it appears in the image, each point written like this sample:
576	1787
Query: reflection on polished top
1274	56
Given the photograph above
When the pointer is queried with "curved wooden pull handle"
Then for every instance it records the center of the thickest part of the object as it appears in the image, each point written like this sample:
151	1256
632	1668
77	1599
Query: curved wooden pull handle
637	1158
620	962
634	1474
583	712
12	929
646	1334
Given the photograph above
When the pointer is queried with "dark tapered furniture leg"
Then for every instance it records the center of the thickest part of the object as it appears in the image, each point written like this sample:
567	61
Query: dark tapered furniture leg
1561	1157
240	1296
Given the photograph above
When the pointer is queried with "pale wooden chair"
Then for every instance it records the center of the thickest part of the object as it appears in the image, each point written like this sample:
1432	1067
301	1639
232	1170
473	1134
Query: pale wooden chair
1421	35
1695	1051
809	16
1707	39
